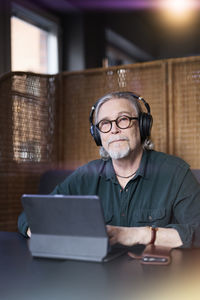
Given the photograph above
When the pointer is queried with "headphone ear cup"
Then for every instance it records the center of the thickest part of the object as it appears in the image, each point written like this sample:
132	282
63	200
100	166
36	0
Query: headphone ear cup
96	136
145	124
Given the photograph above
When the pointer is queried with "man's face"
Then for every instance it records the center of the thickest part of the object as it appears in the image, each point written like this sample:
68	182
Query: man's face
119	143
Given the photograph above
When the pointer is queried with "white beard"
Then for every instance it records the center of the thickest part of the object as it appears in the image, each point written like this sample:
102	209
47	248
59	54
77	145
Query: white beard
118	153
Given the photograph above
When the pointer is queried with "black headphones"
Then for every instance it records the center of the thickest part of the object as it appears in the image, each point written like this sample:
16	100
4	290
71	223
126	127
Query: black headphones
145	120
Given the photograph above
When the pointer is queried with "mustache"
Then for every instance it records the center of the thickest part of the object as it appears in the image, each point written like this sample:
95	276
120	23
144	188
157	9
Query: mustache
117	138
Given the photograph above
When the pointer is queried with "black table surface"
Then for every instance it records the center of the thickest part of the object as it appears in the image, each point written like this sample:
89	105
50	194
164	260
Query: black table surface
23	277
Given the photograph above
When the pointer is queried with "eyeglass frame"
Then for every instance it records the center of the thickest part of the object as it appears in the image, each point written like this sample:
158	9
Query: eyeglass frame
116	122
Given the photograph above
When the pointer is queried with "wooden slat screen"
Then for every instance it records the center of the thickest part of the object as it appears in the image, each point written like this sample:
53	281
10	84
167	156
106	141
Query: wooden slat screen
44	120
184	105
28	138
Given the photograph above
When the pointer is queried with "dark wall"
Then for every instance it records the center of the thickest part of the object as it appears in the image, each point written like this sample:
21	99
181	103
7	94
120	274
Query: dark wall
173	39
83	35
94	39
143	29
73	52
134	27
83	41
5	61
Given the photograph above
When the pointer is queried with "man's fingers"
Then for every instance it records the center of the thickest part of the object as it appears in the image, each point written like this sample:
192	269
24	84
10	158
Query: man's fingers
109	228
29	232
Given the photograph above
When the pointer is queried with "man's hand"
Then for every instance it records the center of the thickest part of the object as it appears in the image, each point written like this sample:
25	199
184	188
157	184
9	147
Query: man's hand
28	232
128	236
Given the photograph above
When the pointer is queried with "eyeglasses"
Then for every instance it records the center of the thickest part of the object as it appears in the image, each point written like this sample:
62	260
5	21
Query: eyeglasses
122	122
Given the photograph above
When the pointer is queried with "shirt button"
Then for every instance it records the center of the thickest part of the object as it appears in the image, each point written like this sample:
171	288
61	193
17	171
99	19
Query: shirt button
150	218
126	190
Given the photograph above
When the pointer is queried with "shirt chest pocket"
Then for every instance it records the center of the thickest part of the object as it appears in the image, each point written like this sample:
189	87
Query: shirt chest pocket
148	217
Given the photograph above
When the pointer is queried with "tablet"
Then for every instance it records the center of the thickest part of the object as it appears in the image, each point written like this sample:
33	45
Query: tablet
68	227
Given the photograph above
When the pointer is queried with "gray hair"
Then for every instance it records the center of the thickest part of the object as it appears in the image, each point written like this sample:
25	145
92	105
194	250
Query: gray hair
147	144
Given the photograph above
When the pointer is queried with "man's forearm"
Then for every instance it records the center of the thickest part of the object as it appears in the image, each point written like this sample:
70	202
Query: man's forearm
168	237
129	236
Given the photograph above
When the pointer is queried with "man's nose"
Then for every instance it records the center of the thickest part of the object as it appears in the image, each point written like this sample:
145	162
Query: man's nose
115	129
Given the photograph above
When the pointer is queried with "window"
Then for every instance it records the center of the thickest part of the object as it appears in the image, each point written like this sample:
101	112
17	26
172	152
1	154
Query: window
34	42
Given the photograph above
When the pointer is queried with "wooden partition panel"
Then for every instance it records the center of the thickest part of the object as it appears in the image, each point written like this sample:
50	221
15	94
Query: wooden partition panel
28	133
184	108
82	89
44	120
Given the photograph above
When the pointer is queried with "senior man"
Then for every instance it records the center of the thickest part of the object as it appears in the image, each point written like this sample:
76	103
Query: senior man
147	196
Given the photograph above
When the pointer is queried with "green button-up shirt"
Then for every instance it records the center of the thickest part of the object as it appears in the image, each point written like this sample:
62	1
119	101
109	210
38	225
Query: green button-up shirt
163	193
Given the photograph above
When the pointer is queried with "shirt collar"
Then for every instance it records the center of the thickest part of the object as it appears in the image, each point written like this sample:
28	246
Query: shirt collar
109	173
